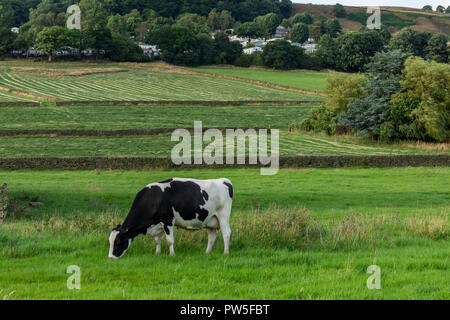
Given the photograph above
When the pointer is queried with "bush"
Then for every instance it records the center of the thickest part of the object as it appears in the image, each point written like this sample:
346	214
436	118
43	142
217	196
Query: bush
343	88
321	119
245	61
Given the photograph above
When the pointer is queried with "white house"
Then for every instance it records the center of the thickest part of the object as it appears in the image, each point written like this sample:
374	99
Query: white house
15	30
252	50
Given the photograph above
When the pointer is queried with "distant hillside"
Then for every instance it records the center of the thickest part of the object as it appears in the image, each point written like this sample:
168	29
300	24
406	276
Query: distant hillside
394	17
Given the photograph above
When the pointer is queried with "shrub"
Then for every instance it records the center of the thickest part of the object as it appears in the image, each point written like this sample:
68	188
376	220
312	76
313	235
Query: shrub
245	61
321	119
280	54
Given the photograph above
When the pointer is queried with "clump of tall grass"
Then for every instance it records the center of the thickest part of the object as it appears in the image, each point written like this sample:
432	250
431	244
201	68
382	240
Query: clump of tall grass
281	228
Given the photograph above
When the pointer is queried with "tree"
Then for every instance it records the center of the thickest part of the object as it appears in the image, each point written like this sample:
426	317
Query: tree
299	33
317	29
440	9
133	19
6	20
437	48
280	54
447	10
268	23
354	49
94	31
327	51
339	11
55	38
427	8
226	51
412	41
422	110
332	27
220	20
194	22
117	25
367	113
249	29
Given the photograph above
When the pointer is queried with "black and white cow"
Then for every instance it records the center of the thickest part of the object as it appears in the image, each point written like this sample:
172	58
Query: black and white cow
186	203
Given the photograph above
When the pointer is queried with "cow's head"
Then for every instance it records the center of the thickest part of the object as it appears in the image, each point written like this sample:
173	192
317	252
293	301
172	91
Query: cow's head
119	242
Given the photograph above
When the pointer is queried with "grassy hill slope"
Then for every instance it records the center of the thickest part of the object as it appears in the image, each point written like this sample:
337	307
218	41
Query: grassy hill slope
394	17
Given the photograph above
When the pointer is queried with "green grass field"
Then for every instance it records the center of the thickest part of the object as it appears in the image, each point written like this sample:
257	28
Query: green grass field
303	234
161	146
11	97
135	117
298	79
132	83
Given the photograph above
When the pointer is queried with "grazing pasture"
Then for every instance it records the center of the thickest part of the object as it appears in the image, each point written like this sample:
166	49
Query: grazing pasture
303	234
308	80
300	234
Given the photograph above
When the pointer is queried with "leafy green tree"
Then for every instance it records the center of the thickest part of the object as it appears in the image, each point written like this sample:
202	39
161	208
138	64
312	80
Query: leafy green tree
220	20
332	27
206	49
412	41
299	32
354	49
226	51
194	22
133	19
440	9
427	8
268	24
327	51
366	114
249	29
339	11
117	24
55	38
317	29
426	97
280	54
94	31
437	48
6	20
447	10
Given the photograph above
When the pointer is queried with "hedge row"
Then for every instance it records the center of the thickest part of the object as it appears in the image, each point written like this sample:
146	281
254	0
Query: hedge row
162	103
209	103
100	133
19	104
140	163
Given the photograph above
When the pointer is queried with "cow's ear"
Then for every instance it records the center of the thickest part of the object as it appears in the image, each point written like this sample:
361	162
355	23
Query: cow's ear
123	230
117	228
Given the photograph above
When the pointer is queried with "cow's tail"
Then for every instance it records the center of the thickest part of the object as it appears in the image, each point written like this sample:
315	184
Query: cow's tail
229	185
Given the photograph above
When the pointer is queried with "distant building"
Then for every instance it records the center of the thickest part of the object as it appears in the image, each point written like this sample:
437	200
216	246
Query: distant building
252	50
150	50
15	30
281	33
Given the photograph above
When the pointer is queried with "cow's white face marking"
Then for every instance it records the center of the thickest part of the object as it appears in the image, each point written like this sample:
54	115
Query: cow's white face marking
112	239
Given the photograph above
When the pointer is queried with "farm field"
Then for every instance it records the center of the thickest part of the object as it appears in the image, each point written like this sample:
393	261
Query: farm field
308	80
303	234
11	97
132	83
161	146
137	117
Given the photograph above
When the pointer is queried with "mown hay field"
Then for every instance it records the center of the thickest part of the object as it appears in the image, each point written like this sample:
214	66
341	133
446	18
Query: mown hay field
131	83
308	80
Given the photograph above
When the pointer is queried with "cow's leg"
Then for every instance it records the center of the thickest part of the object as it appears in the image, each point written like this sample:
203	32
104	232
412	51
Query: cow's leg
212	236
170	238
224	221
226	234
158	244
